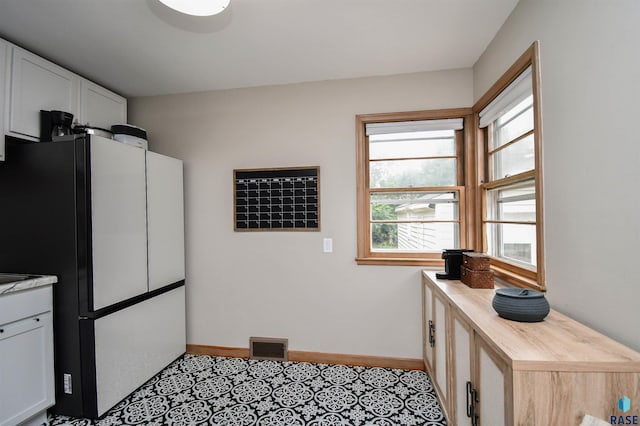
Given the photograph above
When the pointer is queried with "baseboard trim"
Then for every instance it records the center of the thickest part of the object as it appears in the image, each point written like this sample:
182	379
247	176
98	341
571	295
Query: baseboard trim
317	357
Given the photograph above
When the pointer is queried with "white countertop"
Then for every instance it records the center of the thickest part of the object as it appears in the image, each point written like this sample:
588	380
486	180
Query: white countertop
33	281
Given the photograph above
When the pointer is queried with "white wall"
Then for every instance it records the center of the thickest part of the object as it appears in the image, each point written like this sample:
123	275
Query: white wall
590	62
280	284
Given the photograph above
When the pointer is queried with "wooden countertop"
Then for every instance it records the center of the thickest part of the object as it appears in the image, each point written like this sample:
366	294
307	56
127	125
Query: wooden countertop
558	343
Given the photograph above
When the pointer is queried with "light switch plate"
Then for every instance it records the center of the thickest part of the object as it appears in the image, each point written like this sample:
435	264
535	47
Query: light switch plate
327	245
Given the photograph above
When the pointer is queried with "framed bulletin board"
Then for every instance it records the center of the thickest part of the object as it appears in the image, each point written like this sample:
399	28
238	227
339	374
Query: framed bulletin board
278	199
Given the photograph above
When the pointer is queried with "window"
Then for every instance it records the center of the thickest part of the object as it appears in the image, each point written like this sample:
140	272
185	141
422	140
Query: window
411	188
511	189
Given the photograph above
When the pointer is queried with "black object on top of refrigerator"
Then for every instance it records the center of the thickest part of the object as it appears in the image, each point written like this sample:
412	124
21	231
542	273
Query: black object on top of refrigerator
57	219
54	125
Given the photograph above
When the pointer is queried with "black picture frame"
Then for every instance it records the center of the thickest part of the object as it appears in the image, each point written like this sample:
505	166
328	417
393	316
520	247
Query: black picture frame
276	199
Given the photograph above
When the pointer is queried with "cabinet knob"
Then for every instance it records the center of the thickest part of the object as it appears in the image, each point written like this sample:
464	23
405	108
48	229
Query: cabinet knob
37	319
1	330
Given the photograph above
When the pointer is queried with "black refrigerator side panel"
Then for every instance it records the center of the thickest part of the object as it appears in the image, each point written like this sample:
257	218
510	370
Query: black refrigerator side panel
39	227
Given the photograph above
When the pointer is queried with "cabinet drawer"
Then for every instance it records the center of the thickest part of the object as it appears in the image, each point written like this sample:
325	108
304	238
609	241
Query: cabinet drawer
22	304
24	325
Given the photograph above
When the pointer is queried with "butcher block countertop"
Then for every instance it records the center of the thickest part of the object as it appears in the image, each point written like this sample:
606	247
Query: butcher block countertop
558	343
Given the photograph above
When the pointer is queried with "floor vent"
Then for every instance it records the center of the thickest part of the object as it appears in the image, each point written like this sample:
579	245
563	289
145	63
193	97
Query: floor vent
268	348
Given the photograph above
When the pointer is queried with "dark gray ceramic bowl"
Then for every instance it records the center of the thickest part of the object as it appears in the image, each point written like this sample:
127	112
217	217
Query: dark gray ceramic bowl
519	304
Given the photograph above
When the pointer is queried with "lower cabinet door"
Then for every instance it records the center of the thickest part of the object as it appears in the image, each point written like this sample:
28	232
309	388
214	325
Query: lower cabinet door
491	380
427	318
460	403
26	368
440	349
134	344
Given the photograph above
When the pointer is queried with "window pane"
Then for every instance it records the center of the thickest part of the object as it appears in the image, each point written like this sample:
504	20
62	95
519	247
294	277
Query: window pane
412	173
384	236
408	237
514	159
515	203
412	145
515	122
513	242
414	206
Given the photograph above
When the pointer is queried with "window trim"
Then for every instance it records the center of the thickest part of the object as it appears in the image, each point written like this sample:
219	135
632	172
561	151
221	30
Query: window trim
508	271
365	256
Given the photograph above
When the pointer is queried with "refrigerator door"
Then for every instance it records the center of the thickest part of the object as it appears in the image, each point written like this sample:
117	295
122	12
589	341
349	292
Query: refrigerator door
165	211
118	222
135	343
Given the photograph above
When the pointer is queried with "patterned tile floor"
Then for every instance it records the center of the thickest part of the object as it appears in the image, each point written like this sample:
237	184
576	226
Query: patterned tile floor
203	390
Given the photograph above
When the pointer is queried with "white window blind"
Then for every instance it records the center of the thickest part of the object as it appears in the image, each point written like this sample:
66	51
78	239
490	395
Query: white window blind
516	92
413	126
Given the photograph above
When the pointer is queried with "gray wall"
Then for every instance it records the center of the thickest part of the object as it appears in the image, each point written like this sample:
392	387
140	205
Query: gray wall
590	106
281	284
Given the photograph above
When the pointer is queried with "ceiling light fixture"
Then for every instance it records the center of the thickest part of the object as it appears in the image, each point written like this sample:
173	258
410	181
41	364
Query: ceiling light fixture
197	7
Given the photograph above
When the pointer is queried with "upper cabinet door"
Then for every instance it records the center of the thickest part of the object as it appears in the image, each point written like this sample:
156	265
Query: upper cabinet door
118	221
165	211
4	62
38	84
100	107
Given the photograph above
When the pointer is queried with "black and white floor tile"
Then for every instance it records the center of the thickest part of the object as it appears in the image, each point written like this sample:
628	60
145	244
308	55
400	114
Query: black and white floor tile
204	390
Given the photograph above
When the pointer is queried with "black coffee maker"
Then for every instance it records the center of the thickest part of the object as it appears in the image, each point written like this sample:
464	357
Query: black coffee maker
55	125
452	263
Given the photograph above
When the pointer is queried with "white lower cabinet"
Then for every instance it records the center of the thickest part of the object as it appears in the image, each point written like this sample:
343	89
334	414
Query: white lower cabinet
478	397
435	341
469	376
440	312
489	393
461	371
428	341
26	349
490	371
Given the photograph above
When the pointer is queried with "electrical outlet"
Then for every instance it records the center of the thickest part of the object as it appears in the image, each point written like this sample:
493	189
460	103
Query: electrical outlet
68	388
327	245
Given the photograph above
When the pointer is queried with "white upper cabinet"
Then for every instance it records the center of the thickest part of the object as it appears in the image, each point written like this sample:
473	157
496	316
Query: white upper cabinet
37	84
165	216
29	83
4	63
118	221
100	107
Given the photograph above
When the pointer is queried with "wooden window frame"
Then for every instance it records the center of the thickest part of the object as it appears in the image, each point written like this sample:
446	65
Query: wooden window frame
504	269
464	154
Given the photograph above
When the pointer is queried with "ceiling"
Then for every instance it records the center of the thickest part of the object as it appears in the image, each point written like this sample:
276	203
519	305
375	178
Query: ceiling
142	48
